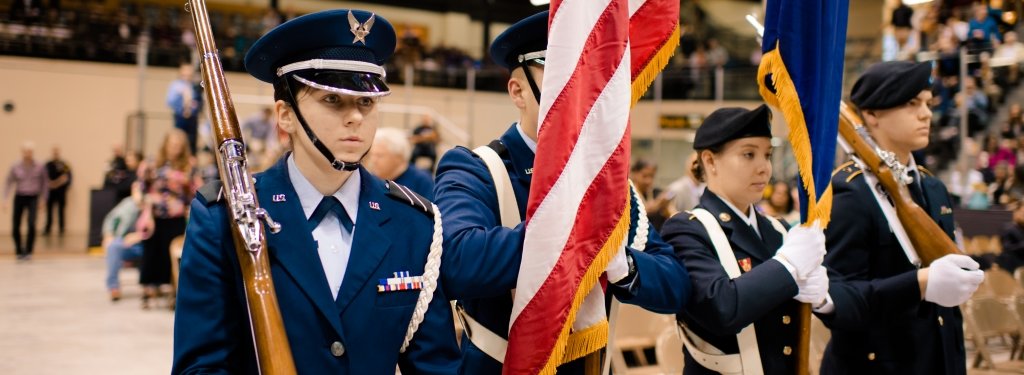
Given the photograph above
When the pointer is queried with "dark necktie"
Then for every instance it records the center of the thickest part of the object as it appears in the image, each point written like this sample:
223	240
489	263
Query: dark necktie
331	205
915	189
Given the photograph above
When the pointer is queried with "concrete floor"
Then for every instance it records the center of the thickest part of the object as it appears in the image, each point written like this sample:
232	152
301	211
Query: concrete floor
56	318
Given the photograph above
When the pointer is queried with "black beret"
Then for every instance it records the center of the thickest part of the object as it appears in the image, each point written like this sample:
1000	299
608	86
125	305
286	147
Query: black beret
726	124
890	84
528	35
334	49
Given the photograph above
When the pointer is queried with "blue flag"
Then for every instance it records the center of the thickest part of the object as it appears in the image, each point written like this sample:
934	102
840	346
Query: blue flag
801	75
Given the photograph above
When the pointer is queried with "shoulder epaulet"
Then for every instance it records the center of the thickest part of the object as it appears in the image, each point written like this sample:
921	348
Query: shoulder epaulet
925	171
212	192
406	195
847	171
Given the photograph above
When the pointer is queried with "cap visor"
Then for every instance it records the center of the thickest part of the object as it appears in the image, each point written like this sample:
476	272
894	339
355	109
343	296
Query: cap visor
343	82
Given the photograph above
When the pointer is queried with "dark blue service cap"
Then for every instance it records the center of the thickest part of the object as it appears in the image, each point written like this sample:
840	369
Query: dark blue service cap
526	36
890	84
337	50
726	124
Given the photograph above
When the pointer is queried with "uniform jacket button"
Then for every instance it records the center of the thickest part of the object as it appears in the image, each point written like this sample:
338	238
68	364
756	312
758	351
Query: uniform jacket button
871	356
786	350
940	321
337	349
786	319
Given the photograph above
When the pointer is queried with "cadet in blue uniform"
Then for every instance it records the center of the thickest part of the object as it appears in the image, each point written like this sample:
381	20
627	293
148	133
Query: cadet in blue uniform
349	242
483	252
889	317
748	275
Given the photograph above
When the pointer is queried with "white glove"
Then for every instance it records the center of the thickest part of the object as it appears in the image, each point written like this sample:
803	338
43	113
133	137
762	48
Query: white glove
803	249
814	288
617	268
952	280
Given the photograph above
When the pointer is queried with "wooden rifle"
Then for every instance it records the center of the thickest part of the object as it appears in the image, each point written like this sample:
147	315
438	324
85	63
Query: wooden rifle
928	239
273	353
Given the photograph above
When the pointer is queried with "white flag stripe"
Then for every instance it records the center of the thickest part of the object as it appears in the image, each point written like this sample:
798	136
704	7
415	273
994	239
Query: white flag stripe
601	134
634	5
572	15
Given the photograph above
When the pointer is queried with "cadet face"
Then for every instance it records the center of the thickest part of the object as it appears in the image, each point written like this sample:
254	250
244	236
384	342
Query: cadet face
741	171
905	128
522	96
344	123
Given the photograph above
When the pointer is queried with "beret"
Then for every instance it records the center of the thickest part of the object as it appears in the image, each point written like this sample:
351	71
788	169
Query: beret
726	124
890	84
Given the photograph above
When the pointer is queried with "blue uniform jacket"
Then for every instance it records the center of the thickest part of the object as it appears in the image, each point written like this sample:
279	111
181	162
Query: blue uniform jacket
211	330
482	258
720	307
880	324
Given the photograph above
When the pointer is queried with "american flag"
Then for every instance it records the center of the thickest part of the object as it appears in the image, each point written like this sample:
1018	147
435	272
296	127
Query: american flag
601	57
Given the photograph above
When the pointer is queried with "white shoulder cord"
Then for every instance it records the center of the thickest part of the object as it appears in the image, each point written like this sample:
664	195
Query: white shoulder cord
642	224
431	271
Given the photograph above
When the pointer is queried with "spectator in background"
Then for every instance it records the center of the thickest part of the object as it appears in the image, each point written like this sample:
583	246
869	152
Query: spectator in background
424	140
167	188
25	11
1015	193
184	96
1008	57
977	106
1012	127
1005	151
27	180
1012	240
59	174
685	191
780	204
1001	182
122	175
717	54
657	204
389	160
121	241
983	20
259	126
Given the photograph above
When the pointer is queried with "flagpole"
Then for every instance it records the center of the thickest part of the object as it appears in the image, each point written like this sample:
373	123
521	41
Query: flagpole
803	344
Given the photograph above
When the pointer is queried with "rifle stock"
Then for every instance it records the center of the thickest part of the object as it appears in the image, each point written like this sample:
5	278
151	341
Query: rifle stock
273	353
929	240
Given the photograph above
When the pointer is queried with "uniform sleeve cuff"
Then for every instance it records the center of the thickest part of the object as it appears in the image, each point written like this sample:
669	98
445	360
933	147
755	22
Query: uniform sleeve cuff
826	308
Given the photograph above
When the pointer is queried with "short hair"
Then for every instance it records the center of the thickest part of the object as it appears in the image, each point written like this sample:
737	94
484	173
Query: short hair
395	140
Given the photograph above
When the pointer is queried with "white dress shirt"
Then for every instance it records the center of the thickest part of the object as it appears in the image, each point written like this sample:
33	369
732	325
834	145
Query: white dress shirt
334	245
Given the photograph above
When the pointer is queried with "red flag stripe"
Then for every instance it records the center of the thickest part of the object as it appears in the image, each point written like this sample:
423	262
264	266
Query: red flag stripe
650	15
572	106
550	303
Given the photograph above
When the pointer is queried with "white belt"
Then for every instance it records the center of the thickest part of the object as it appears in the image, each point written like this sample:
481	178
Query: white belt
708	355
481	337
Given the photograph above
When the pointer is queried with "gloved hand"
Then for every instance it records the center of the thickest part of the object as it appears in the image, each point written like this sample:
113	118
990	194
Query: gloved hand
952	280
814	288
617	268
804	249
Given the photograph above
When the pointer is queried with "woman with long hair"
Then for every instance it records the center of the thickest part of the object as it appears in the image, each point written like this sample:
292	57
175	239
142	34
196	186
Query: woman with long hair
167	187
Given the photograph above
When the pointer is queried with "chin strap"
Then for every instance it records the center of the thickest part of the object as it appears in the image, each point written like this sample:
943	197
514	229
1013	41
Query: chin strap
320	146
529	78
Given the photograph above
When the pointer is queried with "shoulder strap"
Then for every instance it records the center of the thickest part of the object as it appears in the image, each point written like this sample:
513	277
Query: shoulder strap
891	218
508	207
404	194
212	192
750	355
777	225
